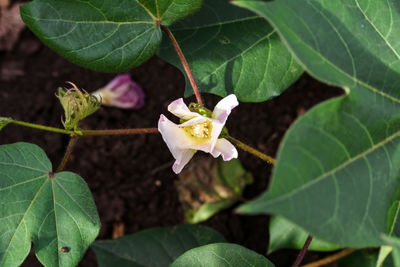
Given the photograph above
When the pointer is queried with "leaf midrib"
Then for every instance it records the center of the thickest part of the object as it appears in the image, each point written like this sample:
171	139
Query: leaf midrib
91	21
355	79
23	218
217	24
335	170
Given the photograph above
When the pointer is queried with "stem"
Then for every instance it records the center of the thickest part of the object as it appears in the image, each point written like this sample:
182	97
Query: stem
303	251
86	132
251	150
67	153
184	63
42	127
331	258
119	131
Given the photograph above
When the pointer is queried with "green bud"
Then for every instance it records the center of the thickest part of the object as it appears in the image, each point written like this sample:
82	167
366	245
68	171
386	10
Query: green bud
4	121
194	107
77	105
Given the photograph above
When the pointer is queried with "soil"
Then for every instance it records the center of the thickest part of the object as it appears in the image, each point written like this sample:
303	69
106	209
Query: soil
130	176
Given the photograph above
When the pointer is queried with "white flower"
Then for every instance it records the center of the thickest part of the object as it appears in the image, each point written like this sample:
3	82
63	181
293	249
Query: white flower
197	132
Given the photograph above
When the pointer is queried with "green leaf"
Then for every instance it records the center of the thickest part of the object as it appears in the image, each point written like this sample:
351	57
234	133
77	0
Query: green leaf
153	247
285	234
231	50
110	35
220	255
4	121
54	211
364	258
210	186
395	243
383	254
338	166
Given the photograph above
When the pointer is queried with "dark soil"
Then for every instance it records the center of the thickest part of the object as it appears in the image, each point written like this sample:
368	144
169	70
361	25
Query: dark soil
130	176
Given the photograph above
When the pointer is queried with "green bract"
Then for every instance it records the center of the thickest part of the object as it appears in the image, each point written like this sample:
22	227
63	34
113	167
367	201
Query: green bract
55	211
338	172
77	106
110	35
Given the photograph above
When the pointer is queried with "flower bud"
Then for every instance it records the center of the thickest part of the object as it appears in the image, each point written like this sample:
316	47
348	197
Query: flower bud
121	92
77	105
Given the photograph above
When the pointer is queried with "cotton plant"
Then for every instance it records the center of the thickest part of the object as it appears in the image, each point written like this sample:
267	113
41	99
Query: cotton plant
250	51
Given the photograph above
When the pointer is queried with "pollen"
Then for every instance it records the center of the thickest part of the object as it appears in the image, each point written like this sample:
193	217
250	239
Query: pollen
199	130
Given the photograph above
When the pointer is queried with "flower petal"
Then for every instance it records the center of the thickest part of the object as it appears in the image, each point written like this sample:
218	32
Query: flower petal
133	97
118	83
225	148
224	107
174	136
177	142
184	156
121	92
179	109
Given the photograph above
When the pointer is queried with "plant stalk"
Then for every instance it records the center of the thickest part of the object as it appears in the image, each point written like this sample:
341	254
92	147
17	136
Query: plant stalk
184	63
331	258
67	153
303	251
251	150
119	131
42	127
86	132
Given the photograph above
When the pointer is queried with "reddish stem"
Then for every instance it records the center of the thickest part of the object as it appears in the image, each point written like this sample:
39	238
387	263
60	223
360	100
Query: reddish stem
67	153
331	258
302	252
184	63
119	131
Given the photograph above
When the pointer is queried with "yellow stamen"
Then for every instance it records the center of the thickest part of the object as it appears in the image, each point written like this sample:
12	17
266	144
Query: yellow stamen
200	131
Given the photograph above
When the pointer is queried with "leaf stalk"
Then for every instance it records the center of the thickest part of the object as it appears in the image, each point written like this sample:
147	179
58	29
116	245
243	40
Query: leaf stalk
184	63
67	153
303	251
251	150
331	258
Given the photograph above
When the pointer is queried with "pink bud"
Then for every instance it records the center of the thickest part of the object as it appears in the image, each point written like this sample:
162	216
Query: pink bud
122	92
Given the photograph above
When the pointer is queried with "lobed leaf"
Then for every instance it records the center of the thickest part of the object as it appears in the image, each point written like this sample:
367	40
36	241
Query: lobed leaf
54	211
153	247
220	255
110	35
337	174
231	50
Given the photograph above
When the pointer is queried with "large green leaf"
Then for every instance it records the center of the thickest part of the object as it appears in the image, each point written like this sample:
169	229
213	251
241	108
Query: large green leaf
220	255
104	35
285	234
153	247
54	211
231	50
338	166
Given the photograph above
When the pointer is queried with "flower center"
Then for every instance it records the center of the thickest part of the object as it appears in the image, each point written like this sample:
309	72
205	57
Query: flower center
199	130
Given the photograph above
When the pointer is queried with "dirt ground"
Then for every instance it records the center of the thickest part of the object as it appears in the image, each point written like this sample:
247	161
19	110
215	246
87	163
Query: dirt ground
130	176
